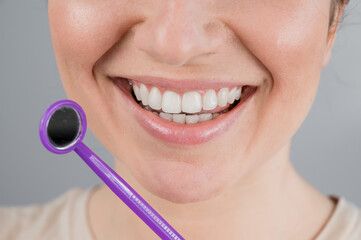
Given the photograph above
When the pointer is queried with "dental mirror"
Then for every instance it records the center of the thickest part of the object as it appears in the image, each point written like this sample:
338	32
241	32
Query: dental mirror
62	129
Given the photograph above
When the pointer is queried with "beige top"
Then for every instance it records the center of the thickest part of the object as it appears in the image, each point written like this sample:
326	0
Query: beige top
66	218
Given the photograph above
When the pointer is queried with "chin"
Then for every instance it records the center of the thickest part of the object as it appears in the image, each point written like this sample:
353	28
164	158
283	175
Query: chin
184	182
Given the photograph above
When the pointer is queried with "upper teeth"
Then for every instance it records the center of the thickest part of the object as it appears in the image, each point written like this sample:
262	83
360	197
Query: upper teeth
190	102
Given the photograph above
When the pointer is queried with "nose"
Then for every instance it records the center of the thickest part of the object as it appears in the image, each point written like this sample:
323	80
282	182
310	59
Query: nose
179	32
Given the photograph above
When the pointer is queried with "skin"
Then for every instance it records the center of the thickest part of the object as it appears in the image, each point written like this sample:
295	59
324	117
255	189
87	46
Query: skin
240	185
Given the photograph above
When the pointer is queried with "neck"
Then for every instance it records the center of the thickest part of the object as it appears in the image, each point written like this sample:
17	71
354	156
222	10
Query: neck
273	195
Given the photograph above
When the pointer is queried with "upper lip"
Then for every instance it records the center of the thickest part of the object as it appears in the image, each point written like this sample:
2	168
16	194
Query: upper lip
185	84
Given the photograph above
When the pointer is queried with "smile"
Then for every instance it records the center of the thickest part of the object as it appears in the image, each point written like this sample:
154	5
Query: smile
184	117
186	108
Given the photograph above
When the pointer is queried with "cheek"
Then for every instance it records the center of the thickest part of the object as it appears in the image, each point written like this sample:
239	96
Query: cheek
289	39
82	31
296	44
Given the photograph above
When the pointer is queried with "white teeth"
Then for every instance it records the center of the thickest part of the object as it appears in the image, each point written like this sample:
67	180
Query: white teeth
144	94
187	119
155	99
191	102
205	116
171	102
222	97
166	116
210	100
179	118
238	93
232	95
137	92
191	119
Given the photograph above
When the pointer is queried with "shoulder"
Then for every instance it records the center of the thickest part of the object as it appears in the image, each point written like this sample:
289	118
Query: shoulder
345	222
61	218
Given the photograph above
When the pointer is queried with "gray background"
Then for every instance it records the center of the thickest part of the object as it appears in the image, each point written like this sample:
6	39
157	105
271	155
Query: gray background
326	150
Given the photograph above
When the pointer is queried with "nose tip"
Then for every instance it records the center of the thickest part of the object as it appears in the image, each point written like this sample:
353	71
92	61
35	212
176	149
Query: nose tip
177	34
173	48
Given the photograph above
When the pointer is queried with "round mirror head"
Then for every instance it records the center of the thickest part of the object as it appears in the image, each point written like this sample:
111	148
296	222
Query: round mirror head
62	126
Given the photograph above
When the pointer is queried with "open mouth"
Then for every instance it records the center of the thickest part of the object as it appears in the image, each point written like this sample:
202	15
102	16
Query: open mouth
187	117
189	107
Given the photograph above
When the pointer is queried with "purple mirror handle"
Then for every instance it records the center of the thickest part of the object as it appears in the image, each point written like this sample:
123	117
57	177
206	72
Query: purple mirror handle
126	193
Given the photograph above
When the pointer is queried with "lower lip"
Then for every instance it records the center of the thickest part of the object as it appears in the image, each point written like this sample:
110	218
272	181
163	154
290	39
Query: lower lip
184	134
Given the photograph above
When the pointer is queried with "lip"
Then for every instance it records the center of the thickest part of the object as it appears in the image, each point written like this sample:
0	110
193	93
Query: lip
184	134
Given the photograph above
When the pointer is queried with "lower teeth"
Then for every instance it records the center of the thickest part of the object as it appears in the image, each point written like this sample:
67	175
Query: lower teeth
186	118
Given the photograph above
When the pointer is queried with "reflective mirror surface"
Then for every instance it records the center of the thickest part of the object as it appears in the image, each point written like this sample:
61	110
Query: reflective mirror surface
63	127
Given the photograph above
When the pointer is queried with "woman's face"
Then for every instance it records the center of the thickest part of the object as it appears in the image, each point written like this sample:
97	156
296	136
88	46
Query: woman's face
275	47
